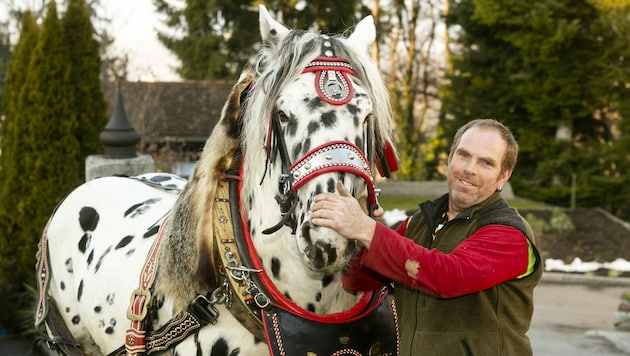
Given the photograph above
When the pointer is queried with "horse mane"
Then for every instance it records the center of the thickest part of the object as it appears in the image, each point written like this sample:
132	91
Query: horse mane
186	264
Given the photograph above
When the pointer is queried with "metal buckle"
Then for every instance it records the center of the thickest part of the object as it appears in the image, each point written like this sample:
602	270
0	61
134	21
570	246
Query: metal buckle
131	315
203	310
261	300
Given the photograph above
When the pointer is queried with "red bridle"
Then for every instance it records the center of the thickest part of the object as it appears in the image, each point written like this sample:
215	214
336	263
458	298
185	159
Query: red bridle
334	87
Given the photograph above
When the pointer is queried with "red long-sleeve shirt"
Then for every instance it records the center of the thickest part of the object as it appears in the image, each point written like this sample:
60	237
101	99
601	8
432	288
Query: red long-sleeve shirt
492	255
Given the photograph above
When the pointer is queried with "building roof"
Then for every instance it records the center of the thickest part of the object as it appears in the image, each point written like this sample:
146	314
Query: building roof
161	111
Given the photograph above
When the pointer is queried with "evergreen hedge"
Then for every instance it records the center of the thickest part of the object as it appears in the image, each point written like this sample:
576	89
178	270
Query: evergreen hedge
56	112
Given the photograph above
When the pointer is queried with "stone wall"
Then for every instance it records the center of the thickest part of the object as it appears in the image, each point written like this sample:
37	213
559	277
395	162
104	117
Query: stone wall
430	188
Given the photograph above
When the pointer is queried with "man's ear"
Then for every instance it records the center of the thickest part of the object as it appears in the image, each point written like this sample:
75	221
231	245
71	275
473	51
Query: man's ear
503	178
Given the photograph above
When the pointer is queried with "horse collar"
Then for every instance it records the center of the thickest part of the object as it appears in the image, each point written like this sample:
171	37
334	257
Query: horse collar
271	316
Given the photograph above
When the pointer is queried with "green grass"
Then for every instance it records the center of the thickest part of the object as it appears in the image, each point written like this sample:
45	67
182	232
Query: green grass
410	202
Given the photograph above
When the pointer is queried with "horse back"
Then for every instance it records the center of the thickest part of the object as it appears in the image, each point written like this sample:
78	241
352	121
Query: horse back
98	239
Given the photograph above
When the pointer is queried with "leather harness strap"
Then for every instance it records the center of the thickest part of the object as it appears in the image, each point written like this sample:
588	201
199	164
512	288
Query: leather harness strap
249	300
58	337
138	341
135	342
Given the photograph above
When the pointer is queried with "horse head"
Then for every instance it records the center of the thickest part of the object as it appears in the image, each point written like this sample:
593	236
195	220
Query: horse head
318	113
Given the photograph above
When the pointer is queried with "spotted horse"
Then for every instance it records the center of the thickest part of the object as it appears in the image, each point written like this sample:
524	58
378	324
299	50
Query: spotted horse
229	263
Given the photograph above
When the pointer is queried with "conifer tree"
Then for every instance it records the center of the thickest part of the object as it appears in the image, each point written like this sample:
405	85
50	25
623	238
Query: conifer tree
5	56
47	149
89	102
12	167
557	74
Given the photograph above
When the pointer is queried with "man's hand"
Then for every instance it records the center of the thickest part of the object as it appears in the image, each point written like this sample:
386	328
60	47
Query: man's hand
344	214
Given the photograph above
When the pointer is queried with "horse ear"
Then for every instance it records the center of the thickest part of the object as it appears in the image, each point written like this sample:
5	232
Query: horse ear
364	34
271	31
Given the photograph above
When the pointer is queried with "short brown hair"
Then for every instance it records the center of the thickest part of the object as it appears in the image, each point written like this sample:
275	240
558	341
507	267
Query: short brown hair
511	152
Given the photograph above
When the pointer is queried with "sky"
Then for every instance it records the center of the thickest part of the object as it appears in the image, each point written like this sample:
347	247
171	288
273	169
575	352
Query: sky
133	26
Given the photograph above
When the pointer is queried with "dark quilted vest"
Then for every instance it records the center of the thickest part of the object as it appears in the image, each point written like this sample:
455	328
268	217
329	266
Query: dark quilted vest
488	323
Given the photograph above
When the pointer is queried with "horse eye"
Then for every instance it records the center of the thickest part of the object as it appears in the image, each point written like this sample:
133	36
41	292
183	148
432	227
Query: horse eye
282	116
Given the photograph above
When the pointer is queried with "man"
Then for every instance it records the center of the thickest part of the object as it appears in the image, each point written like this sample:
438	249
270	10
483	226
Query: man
464	266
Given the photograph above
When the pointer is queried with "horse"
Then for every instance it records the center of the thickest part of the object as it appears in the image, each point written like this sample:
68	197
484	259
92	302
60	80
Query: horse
158	264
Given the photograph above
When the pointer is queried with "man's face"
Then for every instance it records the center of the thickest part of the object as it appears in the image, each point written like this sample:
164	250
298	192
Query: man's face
475	168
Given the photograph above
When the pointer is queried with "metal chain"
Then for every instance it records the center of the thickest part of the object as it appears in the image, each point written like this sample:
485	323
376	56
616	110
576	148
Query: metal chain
242	275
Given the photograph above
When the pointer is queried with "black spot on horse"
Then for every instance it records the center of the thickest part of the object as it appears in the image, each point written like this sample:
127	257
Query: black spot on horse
306	233
307	145
140	208
159	178
100	259
151	231
292	125
97	309
110	329
132	208
76	320
329	119
315	103
297	149
352	108
327	280
88	218
124	242
80	291
197	345
331	185
311	307
312	127
90	257
318	296
84	242
221	348
358	141
321	254
275	267
62	285
69	268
